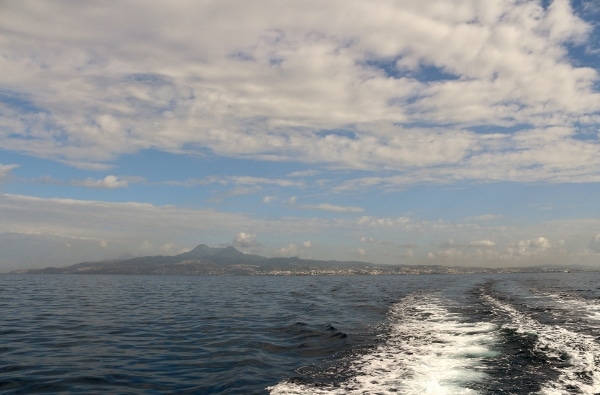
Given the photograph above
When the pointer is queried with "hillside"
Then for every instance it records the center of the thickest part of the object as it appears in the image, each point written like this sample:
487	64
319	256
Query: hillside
205	260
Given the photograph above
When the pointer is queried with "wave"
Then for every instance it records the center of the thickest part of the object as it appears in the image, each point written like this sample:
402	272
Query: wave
587	309
574	356
428	349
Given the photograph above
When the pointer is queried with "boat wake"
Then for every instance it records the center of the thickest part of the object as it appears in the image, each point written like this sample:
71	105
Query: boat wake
574	356
428	349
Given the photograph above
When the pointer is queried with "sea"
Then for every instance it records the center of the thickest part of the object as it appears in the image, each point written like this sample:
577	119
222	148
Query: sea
534	333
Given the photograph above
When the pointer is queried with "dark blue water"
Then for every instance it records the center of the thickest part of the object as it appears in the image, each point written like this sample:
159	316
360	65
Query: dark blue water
462	334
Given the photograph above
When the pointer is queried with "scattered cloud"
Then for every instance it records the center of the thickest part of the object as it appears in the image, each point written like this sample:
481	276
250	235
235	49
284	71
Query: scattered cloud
294	249
172	249
372	240
245	240
303	173
324	207
535	247
287	251
485	218
594	244
291	201
403	88
5	170
333	208
374	221
238	181
161	229
360	251
385	98
482	243
245	180
108	182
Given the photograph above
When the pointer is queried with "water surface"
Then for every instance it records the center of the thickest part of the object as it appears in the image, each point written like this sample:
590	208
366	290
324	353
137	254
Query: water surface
437	334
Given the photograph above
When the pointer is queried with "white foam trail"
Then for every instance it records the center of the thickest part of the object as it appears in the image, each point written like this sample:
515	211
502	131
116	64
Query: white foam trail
581	351
429	350
588	308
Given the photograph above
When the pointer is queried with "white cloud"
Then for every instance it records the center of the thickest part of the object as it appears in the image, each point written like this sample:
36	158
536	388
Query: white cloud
291	200
108	182
482	243
485	217
303	173
287	251
307	84
171	249
50	223
360	251
450	253
594	244
118	223
146	248
269	199
534	247
294	249
374	221
245	180
245	240
239	181
333	208
5	170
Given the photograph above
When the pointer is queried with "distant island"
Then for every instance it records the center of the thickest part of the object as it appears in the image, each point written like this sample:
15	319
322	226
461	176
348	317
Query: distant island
205	260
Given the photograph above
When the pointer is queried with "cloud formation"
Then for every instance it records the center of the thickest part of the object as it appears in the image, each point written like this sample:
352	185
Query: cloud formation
594	244
482	243
146	229
476	90
246	242
333	208
108	182
538	246
5	170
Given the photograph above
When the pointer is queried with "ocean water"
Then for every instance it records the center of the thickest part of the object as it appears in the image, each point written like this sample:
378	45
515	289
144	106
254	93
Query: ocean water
428	334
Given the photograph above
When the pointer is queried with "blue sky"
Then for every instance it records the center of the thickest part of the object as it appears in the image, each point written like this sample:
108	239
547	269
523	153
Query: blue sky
448	132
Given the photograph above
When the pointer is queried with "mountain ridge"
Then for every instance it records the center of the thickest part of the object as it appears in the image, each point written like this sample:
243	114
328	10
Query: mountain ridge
200	260
205	260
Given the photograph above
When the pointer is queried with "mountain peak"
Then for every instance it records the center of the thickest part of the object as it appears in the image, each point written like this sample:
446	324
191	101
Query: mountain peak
230	252
203	250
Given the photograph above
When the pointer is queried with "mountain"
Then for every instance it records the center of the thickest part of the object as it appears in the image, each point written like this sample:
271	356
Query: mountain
228	253
204	260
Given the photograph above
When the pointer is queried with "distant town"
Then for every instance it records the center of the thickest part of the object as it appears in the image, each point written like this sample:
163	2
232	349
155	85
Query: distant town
205	260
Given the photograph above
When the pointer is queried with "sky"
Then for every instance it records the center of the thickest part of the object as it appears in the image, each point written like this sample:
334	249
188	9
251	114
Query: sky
452	132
